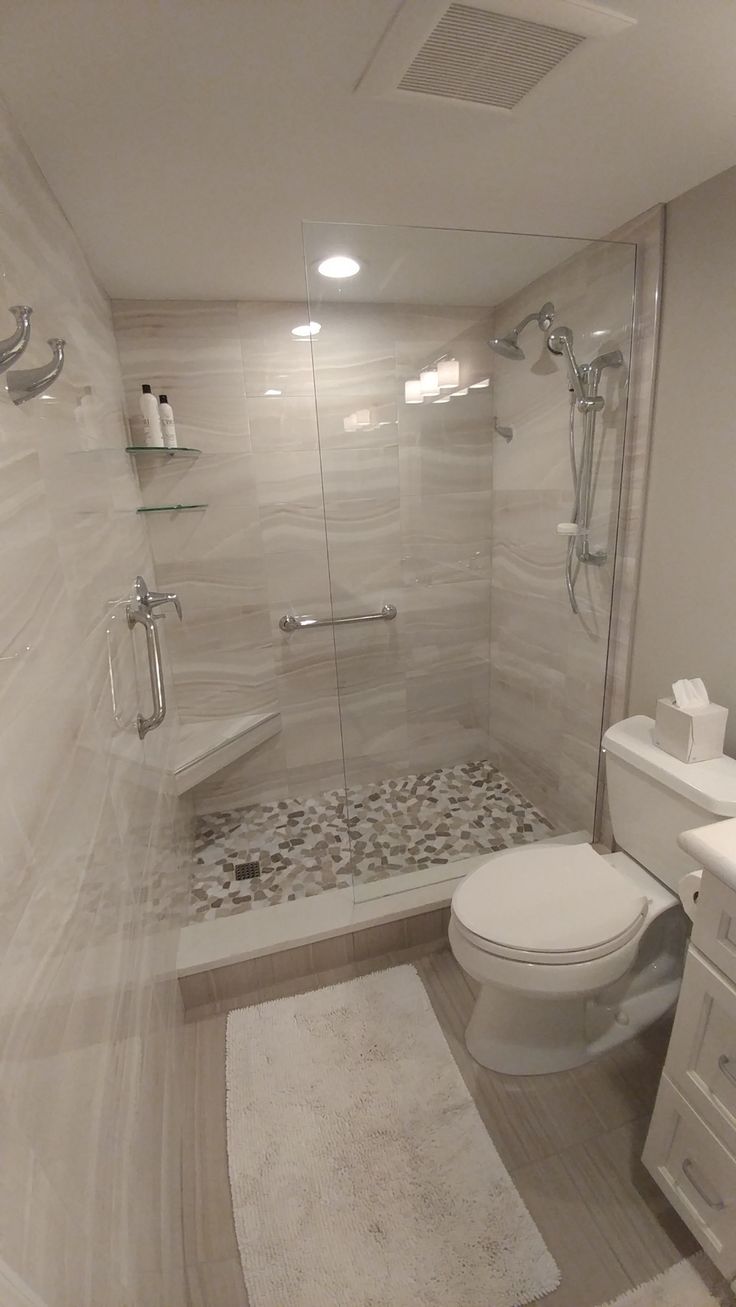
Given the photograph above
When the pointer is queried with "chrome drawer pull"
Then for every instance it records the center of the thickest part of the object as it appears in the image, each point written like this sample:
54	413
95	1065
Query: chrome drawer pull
687	1170
726	1065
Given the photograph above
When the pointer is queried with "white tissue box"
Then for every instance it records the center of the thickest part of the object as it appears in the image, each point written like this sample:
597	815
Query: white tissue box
691	734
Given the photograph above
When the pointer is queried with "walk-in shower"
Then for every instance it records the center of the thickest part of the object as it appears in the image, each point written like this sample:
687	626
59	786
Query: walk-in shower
403	631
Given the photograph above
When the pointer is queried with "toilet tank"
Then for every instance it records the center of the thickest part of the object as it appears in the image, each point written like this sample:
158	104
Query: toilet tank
653	797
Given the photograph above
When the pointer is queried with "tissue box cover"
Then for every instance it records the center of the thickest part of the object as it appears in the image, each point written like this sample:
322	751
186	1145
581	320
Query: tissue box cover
691	734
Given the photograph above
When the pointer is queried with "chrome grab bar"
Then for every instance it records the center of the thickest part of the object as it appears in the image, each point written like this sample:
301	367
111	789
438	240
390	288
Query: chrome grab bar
141	610
290	623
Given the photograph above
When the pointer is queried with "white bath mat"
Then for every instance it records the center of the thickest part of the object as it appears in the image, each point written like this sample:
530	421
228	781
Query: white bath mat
361	1172
693	1283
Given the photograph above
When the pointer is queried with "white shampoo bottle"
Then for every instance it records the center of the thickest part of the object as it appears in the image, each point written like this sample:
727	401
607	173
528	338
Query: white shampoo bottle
167	421
152	433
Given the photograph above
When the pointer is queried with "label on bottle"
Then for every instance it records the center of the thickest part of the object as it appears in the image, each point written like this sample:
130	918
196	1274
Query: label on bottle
169	431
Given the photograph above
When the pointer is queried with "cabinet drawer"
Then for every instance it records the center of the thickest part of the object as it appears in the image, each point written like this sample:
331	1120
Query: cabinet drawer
714	928
702	1054
697	1174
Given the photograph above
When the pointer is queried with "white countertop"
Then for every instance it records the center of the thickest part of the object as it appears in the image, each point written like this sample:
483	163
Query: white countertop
714	848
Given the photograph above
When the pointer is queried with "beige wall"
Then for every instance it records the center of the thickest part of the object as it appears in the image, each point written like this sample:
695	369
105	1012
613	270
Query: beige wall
686	613
91	887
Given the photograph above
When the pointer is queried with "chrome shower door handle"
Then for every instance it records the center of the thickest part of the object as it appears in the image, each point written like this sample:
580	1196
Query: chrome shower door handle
140	611
158	691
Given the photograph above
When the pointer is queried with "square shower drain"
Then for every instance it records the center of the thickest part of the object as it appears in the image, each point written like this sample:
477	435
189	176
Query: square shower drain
247	870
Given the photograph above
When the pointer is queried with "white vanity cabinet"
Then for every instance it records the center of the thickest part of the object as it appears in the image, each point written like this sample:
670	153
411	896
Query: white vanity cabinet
691	1145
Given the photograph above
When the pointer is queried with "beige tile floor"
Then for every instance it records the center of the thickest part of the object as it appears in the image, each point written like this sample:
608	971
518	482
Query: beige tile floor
571	1142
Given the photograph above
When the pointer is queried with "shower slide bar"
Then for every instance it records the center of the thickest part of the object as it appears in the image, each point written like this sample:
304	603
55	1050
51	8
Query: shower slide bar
290	623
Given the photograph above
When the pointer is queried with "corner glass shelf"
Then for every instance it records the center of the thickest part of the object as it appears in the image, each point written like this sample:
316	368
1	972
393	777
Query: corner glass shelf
172	508
186	451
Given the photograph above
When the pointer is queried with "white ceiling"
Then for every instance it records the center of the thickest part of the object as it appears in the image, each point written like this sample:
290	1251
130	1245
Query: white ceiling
186	139
428	265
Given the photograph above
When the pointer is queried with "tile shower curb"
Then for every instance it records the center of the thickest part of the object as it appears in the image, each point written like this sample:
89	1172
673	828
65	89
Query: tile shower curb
221	958
246	935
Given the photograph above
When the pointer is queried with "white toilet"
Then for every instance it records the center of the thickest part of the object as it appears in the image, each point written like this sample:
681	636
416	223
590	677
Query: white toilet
578	951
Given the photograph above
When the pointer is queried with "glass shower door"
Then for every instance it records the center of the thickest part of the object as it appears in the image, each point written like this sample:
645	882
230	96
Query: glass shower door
470	692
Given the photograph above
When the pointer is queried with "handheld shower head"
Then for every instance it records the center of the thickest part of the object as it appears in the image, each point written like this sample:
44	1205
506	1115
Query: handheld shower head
508	346
559	341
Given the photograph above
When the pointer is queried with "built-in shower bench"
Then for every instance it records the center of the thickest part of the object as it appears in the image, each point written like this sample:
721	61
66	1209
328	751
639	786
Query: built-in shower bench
206	747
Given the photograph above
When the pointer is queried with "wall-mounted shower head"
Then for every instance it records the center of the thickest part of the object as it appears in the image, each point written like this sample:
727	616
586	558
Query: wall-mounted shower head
508	346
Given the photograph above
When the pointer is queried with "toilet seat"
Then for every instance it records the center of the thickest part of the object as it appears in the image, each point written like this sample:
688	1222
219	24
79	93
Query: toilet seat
549	904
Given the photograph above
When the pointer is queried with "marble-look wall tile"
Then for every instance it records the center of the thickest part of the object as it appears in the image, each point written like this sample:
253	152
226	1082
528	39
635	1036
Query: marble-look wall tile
93	841
549	667
370	516
221	656
189	350
280	422
331	519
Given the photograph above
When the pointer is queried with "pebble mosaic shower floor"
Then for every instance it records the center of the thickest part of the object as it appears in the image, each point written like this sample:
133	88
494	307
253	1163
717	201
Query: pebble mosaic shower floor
301	847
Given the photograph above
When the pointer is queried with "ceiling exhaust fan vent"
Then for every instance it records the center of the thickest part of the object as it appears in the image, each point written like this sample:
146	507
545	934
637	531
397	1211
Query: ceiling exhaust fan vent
486	58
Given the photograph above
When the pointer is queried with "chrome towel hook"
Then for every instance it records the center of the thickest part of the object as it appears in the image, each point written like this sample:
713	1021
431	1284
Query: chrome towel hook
12	347
26	383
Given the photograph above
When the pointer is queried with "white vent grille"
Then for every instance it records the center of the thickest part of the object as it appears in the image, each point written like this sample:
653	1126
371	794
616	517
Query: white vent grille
486	58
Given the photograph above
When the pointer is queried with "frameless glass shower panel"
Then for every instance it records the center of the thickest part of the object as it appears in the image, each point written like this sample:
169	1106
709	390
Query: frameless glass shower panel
471	399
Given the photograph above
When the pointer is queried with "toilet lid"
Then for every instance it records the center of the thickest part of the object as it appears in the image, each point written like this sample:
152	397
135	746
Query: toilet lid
548	902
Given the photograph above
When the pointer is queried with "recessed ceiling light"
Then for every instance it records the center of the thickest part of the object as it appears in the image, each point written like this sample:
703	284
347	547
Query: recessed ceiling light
456	393
481	385
307	329
272	392
338	266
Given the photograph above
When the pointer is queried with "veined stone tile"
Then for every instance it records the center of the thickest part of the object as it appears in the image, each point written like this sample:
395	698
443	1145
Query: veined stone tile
361	473
281	422
191	351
